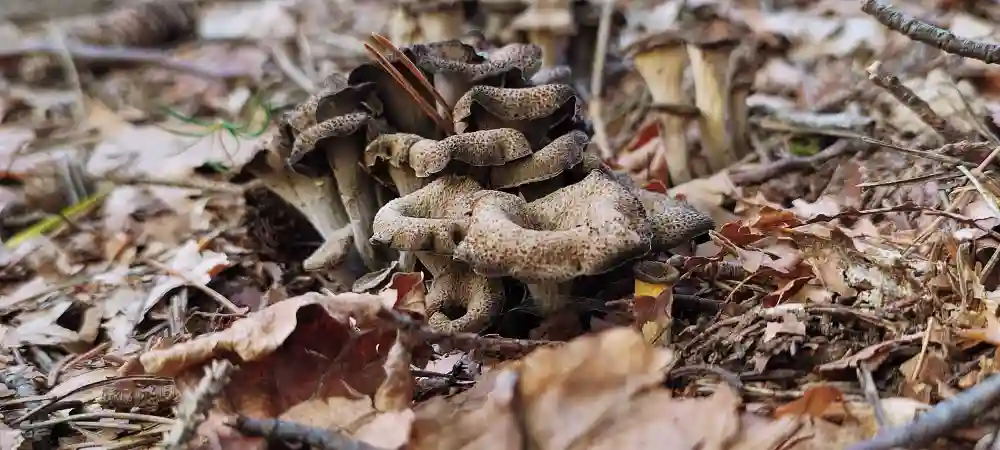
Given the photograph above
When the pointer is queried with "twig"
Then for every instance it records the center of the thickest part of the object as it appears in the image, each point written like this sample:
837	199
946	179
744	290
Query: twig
932	155
462	341
191	411
219	298
71	73
95	53
288	68
98	415
905	207
281	430
871	393
939	420
911	100
40	408
926	33
597	80
765	172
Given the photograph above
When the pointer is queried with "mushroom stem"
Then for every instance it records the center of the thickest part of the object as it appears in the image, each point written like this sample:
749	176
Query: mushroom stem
441	25
357	194
711	86
739	117
550	44
663	71
320	203
550	297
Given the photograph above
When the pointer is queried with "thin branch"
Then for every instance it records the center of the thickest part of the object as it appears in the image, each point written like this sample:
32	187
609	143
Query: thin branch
926	33
282	430
597	80
911	100
765	172
941	419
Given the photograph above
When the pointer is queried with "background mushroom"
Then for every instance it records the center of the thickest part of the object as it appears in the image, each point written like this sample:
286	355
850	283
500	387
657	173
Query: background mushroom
548	24
435	20
710	47
661	59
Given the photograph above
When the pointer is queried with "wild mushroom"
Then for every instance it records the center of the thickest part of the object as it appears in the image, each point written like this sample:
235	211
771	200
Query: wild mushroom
431	222
497	16
455	67
548	24
318	200
436	20
541	113
426	157
710	49
586	228
338	126
660	59
538	174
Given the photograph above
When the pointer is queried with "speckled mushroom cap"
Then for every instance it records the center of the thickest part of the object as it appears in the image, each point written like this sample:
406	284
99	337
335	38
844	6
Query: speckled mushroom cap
337	110
432	219
586	228
428	157
563	153
541	113
516	62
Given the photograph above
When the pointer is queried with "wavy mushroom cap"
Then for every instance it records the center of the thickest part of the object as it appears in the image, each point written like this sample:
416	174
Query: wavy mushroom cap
587	228
431	219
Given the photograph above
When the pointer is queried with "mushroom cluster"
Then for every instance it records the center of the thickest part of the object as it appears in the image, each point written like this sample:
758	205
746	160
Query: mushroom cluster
706	45
470	165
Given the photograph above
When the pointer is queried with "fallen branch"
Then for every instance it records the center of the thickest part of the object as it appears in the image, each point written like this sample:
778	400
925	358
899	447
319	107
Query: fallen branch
100	54
913	102
462	341
761	173
941	419
282	430
926	33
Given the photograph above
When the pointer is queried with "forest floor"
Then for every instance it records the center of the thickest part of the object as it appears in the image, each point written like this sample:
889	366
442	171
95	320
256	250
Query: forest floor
153	294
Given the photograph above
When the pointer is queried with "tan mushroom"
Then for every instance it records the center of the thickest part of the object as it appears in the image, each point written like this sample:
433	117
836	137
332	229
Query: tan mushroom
436	20
548	24
710	49
661	60
498	15
586	228
336	125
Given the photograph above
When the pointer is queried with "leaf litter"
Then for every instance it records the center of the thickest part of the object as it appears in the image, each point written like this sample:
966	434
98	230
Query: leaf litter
787	243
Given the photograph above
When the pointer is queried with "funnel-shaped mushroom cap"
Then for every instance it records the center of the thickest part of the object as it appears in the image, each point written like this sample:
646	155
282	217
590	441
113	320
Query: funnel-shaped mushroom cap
431	219
338	110
717	32
586	228
550	75
534	111
428	157
673	222
518	61
563	153
653	41
400	110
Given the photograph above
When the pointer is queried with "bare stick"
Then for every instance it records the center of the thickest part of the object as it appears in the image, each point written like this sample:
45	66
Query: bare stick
926	33
96	54
597	79
290	431
765	172
942	418
911	100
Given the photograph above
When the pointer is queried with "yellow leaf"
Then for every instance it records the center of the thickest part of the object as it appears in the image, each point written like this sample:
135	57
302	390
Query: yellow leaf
643	288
